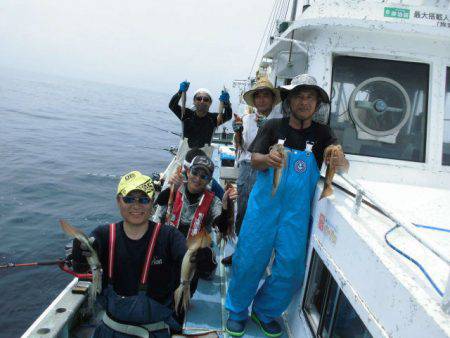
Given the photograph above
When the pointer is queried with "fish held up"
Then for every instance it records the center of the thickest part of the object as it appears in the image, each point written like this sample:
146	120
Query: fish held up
331	153
183	293
278	172
93	261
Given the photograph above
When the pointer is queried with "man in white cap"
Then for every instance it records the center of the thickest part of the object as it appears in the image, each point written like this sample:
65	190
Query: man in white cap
263	97
280	222
199	124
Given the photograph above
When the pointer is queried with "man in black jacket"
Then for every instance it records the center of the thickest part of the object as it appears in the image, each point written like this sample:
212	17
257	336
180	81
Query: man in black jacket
141	264
199	124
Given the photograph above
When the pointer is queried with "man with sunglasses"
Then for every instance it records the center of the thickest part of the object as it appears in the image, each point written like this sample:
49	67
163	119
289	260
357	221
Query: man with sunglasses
194	202
199	124
178	179
141	264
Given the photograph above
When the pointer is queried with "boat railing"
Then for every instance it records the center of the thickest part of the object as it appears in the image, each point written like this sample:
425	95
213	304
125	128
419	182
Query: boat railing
362	193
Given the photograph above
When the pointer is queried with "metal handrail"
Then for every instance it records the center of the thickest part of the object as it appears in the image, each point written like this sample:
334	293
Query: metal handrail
405	224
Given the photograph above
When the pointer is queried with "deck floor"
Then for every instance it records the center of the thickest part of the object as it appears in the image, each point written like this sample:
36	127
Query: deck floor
207	311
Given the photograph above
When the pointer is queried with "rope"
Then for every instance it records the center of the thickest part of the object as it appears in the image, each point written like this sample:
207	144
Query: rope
431	228
439	291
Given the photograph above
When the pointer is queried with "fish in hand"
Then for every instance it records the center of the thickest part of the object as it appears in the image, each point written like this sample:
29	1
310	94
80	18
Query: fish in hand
278	172
92	260
183	293
331	155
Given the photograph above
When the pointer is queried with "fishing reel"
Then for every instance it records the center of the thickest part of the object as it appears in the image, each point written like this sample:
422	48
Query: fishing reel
379	108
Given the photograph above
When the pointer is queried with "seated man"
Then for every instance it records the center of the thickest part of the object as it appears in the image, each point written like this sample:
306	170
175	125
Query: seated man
177	180
214	186
137	293
194	202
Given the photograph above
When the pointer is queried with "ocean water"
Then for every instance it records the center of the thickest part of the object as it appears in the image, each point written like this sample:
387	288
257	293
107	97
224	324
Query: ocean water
64	145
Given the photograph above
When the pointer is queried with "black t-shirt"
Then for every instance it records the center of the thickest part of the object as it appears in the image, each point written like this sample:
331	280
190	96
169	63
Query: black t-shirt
198	130
279	129
129	256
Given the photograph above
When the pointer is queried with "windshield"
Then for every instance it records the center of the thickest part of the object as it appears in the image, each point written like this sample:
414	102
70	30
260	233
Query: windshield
379	107
446	145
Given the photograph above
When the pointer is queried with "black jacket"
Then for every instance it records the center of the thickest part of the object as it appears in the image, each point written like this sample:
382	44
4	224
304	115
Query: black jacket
198	130
164	273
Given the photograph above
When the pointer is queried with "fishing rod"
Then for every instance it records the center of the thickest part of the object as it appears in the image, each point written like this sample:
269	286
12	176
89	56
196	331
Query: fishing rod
172	149
167	131
63	264
19	265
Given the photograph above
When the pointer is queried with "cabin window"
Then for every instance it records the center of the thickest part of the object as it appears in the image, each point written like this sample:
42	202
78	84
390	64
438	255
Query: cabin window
327	310
446	145
379	107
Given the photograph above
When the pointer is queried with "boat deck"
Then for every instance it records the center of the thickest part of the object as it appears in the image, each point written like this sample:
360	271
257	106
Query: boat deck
207	311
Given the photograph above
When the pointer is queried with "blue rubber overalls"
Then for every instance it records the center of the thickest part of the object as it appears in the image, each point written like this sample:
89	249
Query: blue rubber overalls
279	223
137	309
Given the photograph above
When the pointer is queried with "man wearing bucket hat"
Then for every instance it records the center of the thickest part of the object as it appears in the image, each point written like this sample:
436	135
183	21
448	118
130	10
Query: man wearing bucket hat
199	124
281	220
141	264
263	97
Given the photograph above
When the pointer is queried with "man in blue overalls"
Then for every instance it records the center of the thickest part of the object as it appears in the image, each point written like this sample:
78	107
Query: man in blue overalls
279	223
141	264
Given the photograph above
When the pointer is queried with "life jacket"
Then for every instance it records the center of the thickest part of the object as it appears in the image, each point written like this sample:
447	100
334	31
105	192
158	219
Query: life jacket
148	257
199	220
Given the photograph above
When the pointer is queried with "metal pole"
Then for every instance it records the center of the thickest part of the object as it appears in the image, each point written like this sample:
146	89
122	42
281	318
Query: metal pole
294	10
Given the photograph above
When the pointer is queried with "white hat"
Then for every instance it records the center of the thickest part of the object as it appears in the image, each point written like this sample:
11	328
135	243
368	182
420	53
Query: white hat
203	90
304	81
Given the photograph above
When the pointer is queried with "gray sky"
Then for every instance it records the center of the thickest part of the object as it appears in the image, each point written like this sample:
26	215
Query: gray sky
141	43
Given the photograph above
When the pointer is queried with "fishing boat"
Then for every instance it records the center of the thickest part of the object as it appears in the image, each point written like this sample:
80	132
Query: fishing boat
379	250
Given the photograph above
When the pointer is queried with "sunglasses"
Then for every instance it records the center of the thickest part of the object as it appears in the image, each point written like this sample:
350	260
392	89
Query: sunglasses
141	200
200	174
202	98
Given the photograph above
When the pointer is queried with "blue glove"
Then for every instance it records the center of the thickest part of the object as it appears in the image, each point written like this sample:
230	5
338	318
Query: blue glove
184	86
224	97
237	126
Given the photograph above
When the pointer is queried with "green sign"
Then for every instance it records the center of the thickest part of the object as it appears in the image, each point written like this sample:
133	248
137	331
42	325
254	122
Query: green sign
398	13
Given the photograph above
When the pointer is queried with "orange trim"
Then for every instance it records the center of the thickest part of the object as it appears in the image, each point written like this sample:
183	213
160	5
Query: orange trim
149	255
112	246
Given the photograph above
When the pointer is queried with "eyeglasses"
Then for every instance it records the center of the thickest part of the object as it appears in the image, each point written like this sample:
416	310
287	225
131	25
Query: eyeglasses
200	174
202	98
140	200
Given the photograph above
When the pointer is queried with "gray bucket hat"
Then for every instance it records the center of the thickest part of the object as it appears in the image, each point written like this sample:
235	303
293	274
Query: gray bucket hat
304	81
